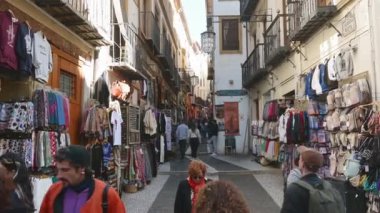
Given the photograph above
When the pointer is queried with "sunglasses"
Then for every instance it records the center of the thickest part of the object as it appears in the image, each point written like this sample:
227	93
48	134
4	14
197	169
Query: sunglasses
197	177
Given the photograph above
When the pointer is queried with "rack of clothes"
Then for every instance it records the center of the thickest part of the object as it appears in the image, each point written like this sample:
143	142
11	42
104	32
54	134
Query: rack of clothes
27	51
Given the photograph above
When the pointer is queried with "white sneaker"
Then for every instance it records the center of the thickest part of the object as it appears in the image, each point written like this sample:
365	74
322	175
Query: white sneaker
213	154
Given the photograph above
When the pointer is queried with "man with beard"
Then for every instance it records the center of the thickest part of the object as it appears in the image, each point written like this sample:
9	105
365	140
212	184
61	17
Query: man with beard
77	191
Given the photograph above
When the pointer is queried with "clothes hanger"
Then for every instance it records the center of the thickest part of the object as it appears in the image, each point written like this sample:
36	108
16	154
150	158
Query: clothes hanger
11	12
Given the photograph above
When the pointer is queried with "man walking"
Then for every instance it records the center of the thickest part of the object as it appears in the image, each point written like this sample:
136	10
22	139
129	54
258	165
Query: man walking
212	131
310	193
181	136
77	191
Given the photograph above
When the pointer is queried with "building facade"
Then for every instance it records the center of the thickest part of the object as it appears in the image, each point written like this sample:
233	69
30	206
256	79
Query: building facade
230	99
287	40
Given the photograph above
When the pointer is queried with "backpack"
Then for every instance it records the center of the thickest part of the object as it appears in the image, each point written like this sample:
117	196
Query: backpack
326	200
105	199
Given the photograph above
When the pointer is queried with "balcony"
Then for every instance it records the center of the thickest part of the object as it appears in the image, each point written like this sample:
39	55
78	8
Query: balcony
276	41
308	16
246	9
123	49
185	77
90	19
165	51
150	29
254	67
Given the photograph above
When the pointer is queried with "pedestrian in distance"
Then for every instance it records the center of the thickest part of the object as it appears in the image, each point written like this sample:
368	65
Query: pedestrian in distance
311	193
212	132
16	183
181	137
194	138
294	174
187	191
77	191
222	197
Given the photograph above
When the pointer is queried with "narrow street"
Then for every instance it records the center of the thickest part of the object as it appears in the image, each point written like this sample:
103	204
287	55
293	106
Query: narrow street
261	186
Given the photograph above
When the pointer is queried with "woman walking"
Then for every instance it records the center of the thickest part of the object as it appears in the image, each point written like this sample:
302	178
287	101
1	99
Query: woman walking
187	191
194	137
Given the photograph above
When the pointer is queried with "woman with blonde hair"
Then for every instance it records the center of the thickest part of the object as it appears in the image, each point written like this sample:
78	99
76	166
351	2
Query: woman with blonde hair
221	197
187	191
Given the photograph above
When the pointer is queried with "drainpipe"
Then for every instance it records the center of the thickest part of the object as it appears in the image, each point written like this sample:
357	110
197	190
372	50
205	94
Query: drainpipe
372	28
95	72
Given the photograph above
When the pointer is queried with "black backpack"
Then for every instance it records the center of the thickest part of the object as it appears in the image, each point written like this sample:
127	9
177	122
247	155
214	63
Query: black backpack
325	200
105	199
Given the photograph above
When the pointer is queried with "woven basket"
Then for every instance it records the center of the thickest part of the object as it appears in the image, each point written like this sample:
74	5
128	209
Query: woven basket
130	188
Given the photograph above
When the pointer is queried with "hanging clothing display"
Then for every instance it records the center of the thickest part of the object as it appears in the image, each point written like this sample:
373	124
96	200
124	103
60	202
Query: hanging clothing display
42	57
150	122
8	29
168	132
116	121
24	47
51	109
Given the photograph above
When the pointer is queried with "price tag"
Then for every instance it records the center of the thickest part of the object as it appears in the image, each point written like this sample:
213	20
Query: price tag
366	168
348	146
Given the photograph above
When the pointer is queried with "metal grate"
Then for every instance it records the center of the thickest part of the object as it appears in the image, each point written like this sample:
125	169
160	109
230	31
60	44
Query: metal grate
67	82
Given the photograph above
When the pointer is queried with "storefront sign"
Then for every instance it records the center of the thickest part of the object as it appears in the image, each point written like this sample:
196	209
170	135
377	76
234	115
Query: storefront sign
231	118
237	92
348	24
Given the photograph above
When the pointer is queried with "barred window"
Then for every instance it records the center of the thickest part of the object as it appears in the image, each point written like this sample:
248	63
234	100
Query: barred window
67	84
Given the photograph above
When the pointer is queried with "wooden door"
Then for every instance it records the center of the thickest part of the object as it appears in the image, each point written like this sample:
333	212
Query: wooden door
67	77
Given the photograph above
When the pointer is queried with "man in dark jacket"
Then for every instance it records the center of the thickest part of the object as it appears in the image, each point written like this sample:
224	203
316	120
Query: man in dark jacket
297	197
212	131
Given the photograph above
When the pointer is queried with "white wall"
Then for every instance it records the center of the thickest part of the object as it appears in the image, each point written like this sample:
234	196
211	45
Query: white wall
228	68
374	9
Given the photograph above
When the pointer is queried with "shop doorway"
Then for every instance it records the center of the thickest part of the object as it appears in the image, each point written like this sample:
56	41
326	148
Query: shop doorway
67	77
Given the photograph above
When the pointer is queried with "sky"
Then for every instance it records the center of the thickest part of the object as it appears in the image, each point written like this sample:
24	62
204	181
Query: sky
195	11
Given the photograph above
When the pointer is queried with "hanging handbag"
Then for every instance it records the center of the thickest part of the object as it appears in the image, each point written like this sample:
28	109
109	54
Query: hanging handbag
121	90
352	166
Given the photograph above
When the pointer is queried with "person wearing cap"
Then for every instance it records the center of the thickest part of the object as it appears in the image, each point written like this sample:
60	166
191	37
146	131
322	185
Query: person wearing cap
296	197
77	190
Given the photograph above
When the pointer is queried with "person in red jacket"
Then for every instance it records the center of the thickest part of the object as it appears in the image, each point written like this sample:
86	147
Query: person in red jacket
77	191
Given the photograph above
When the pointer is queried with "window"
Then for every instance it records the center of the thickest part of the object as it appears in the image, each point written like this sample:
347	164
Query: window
230	35
67	82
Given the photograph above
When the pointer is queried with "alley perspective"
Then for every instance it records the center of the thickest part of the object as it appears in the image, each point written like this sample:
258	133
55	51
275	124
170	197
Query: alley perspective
194	106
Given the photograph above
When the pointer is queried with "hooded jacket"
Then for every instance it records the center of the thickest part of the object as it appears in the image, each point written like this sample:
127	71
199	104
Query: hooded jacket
93	204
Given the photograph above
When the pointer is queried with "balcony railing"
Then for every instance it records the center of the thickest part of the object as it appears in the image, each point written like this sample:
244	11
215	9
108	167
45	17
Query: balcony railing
185	77
90	19
246	8
123	49
165	51
276	41
254	67
307	16
150	29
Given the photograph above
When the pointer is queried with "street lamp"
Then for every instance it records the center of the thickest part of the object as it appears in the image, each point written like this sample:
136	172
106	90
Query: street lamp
208	41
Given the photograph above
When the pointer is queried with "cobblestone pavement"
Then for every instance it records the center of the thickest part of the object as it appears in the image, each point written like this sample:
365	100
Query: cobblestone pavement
261	186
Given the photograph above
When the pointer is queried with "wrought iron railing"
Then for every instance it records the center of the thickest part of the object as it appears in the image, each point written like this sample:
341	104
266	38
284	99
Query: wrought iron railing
123	49
276	39
306	11
150	28
254	66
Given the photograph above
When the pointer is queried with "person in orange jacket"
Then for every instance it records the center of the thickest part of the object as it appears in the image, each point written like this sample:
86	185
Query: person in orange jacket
77	191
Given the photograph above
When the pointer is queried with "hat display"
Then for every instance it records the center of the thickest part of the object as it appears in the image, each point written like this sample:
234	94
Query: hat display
311	157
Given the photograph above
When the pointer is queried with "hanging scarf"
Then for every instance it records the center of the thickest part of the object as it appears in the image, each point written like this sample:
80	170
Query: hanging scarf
195	188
